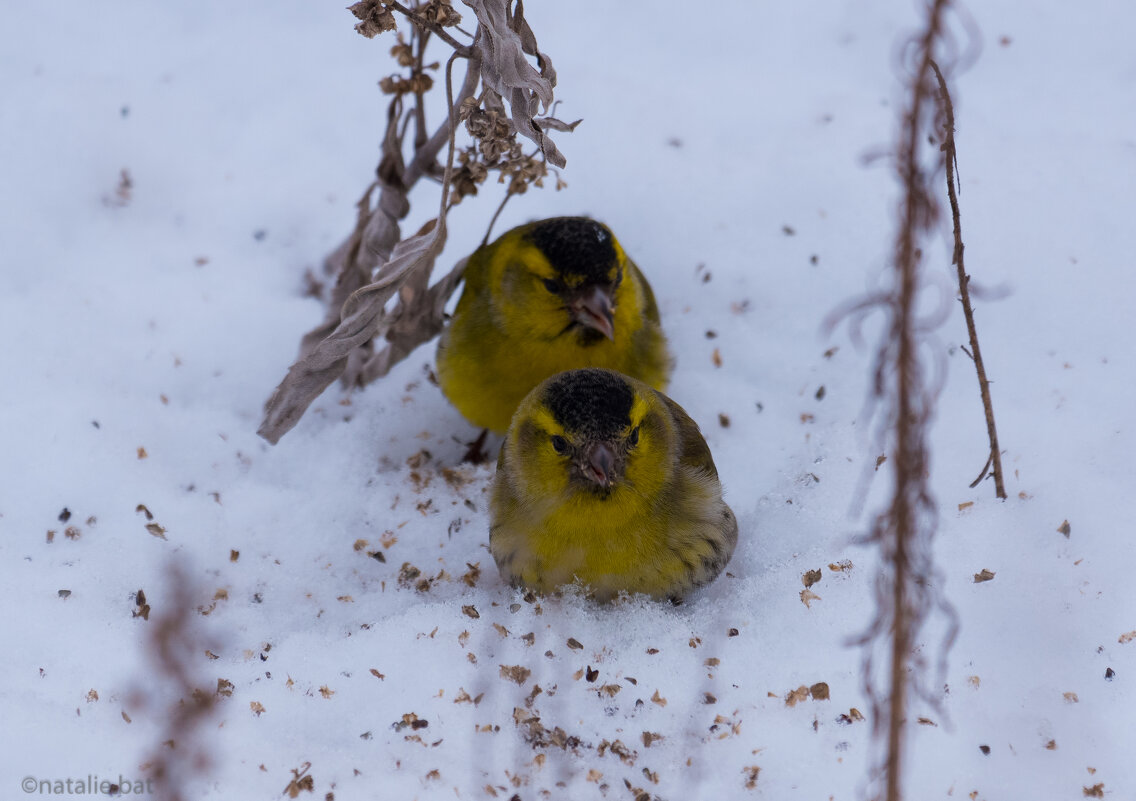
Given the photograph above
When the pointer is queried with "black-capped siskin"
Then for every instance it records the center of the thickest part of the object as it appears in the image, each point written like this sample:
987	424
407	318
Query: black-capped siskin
553	295
605	481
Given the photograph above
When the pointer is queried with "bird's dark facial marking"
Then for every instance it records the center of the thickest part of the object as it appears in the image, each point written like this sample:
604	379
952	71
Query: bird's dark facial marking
593	403
576	247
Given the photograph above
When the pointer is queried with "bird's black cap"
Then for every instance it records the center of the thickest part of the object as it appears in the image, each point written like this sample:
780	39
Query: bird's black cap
576	246
592	402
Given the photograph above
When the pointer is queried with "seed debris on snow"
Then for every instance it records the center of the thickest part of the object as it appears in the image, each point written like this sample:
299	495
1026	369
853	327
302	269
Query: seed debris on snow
141	608
518	674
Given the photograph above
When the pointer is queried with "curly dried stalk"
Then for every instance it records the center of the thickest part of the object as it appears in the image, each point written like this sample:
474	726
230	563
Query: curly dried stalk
904	532
951	160
375	263
175	643
903	403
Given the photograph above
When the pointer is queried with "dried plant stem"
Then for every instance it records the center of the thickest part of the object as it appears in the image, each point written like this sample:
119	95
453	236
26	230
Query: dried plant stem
951	159
376	262
910	451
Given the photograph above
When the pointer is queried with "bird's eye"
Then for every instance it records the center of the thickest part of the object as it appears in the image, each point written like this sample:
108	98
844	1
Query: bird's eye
551	286
634	438
559	444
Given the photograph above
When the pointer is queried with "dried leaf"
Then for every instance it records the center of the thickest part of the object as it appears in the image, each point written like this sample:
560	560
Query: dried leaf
985	575
807	596
811	577
503	40
418	318
361	319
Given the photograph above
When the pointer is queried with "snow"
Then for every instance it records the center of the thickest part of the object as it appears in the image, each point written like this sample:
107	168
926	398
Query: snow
162	322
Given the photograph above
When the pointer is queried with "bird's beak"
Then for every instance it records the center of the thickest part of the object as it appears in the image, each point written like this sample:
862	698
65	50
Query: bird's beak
600	463
594	309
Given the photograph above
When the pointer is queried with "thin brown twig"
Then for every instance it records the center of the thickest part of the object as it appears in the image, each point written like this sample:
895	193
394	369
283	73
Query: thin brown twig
419	105
459	48
951	160
496	214
509	193
985	470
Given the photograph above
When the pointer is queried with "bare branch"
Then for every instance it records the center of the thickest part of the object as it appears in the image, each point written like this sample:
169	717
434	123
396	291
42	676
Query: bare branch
951	160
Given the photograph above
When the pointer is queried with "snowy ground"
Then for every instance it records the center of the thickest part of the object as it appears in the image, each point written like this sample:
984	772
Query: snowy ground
726	149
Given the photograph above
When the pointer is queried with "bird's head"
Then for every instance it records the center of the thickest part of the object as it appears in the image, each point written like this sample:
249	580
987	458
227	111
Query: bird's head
594	434
562	277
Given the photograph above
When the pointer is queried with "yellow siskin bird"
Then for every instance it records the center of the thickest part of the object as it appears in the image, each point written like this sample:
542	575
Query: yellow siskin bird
549	296
608	482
